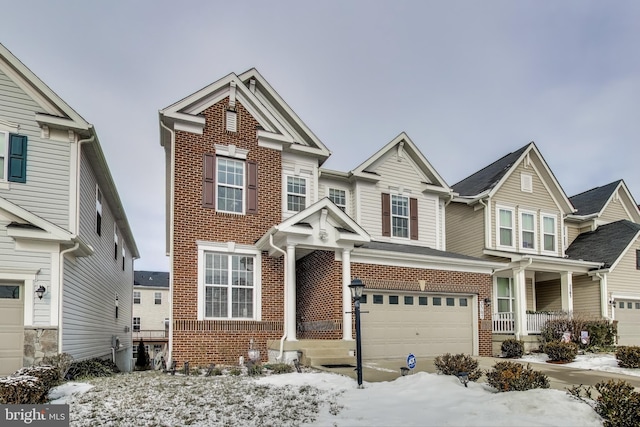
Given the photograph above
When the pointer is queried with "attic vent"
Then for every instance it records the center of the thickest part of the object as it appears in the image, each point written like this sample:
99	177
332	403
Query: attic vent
232	121
526	183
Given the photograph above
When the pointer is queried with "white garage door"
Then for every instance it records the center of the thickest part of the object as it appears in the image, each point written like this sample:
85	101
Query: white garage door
401	323
11	328
628	316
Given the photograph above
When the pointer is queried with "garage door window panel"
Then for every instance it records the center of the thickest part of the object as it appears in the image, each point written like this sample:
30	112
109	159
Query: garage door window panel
437	301
393	299
408	300
377	299
451	302
9	292
423	301
463	302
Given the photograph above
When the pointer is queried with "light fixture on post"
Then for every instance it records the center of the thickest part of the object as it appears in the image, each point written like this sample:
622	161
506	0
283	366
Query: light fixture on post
41	291
356	288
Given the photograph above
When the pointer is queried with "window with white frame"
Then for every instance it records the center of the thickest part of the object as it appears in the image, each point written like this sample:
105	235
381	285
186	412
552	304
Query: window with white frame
549	233
527	230
505	227
296	193
399	216
339	197
505	295
136	297
157	298
4	147
229	285
230	185
136	324
98	211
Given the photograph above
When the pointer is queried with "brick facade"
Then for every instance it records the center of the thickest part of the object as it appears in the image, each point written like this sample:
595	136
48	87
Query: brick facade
204	342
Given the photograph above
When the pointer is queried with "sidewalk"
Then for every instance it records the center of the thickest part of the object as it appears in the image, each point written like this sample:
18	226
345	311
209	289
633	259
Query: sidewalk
560	377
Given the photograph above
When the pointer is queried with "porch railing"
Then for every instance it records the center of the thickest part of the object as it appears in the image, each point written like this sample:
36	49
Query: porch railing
503	323
150	334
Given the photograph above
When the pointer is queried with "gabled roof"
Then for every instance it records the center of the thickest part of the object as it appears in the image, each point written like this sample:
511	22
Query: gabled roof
58	114
156	279
488	180
489	177
606	244
594	201
405	145
278	121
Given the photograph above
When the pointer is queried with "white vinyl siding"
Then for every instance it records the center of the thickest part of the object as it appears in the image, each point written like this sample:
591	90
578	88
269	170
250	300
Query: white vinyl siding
465	229
46	191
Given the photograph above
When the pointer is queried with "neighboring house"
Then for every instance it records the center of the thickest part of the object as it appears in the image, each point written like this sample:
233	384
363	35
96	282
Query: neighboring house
514	211
608	219
66	248
151	311
264	242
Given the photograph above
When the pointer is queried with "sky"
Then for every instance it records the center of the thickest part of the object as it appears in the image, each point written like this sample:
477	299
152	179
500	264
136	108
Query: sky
468	81
418	399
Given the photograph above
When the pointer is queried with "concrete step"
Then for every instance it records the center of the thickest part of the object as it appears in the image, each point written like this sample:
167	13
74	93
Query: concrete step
321	361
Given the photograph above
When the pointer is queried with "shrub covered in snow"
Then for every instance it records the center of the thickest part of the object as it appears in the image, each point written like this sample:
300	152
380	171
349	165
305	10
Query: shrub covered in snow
28	385
561	351
510	376
449	364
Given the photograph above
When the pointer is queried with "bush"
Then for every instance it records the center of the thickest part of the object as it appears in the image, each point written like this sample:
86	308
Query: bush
254	369
92	368
47	375
561	351
448	364
510	376
280	368
628	357
512	348
22	389
61	362
602	333
618	404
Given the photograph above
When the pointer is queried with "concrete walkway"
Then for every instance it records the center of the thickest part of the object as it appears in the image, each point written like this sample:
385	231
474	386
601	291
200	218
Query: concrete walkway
561	377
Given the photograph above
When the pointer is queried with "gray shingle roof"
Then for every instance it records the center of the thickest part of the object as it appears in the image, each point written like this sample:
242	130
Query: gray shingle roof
592	201
488	177
605	244
151	278
419	250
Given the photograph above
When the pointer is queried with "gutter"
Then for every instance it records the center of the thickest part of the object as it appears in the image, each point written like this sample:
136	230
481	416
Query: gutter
60	286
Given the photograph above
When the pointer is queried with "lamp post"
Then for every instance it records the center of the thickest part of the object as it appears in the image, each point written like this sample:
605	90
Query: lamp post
356	287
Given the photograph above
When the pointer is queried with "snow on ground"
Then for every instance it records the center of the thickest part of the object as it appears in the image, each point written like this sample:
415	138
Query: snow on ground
323	399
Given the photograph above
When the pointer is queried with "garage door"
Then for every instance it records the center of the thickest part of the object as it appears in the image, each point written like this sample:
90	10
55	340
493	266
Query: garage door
11	328
627	314
401	323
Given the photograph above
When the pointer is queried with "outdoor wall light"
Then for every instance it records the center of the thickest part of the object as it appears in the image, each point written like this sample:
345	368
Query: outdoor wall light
41	291
487	301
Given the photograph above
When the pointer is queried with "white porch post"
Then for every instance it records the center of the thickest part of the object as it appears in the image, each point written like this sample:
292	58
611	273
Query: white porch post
519	282
290	315
566	291
346	295
604	296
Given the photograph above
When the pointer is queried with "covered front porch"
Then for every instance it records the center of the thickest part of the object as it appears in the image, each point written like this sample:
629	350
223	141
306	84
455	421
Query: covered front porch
535	289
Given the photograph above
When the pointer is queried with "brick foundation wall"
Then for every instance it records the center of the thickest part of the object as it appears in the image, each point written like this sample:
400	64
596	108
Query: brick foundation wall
199	342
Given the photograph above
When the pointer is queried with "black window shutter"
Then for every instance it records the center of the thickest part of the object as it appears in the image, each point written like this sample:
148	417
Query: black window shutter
17	158
252	187
386	215
413	218
209	181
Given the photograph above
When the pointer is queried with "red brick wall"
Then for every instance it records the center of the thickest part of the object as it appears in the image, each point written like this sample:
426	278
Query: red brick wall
319	296
200	342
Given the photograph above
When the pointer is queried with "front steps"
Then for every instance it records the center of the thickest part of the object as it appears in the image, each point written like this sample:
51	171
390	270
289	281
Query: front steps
317	352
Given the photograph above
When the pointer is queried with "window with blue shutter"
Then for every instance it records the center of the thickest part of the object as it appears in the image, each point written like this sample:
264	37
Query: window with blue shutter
17	165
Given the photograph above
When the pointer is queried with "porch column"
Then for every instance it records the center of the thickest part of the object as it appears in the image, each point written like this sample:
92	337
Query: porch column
604	295
346	295
520	314
290	315
566	290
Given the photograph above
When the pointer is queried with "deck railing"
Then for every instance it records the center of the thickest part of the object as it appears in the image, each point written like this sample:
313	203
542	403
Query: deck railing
503	323
150	334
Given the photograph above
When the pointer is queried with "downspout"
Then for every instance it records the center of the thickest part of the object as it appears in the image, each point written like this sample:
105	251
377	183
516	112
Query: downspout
487	224
284	266
172	172
60	279
603	296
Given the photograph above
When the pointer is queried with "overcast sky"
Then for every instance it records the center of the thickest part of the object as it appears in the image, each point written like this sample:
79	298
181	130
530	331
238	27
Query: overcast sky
469	81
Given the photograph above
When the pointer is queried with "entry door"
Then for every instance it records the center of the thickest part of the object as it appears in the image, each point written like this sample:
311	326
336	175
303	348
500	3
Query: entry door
11	327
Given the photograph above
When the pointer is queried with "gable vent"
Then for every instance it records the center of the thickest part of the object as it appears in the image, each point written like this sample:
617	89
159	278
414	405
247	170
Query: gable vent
526	183
231	121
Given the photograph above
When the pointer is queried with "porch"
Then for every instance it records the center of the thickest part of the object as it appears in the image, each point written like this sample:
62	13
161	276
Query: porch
504	323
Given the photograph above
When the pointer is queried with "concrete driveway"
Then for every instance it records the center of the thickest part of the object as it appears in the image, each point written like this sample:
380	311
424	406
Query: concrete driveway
560	377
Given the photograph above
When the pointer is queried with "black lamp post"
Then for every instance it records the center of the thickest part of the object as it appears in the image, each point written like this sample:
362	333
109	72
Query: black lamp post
356	287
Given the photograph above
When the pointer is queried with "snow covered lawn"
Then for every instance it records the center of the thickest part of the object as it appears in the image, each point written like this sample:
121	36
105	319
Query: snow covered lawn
314	398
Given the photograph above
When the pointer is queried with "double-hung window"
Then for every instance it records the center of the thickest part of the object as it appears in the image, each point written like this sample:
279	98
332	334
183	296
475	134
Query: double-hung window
505	295
230	185
157	298
229	285
136	324
527	230
296	193
549	233
505	227
339	197
399	216
136	297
